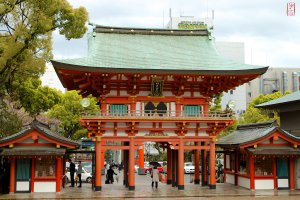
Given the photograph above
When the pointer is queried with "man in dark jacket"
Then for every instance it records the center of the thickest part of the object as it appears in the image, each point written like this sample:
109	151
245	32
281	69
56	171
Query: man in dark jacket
110	175
72	172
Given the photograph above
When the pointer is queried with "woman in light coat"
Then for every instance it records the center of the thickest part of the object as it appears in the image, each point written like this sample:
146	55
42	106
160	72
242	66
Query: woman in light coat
155	176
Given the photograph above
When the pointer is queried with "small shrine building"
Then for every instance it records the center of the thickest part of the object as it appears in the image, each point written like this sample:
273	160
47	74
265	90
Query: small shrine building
34	159
260	156
155	85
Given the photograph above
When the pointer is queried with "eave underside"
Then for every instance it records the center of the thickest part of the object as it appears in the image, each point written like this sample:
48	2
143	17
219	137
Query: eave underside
99	81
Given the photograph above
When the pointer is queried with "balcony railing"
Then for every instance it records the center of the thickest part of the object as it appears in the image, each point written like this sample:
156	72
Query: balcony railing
149	114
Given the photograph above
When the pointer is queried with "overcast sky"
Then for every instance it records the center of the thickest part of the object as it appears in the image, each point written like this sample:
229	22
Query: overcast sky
270	36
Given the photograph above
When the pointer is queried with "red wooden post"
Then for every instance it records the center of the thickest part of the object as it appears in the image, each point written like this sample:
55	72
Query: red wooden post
169	166
12	175
131	181
32	174
275	173
197	165
58	174
180	165
212	166
252	173
292	173
98	164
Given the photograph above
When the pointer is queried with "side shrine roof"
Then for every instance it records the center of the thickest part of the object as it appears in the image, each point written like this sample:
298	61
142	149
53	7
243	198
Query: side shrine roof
138	50
252	132
290	98
43	129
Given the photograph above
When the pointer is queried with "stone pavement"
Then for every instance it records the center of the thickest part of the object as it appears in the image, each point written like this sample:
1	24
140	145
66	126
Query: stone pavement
145	191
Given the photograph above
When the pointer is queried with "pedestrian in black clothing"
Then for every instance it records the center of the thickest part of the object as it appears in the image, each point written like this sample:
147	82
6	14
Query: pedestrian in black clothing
72	172
110	175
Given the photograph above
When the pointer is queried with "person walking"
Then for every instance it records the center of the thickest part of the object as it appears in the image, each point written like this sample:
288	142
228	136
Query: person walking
79	172
72	172
155	176
110	175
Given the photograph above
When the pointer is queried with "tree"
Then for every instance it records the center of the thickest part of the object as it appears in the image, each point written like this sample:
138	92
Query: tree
216	105
35	98
256	115
68	112
25	35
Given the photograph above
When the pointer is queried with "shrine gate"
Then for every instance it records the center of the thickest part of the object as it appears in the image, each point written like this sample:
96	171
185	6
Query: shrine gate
155	85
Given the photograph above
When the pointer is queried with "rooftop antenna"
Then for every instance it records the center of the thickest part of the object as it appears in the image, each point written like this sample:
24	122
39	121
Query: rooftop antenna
170	15
163	18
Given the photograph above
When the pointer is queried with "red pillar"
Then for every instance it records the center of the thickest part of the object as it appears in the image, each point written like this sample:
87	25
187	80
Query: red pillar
292	173
131	181
141	157
197	164
58	174
12	175
275	173
32	174
180	165
204	170
212	166
236	167
98	164
252	173
169	166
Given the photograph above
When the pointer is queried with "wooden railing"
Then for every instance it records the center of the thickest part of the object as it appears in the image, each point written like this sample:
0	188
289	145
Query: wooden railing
148	114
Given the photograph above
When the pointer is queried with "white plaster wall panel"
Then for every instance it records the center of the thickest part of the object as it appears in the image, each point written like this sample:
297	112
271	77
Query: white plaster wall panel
190	133
115	77
142	133
230	178
203	125
121	133
144	78
22	186
192	125
202	133
169	125
123	93
265	142
28	141
121	125
43	141
284	183
109	125
280	141
138	107
187	94
167	93
244	182
173	109
146	125
144	93
109	133
113	93
264	184
44	186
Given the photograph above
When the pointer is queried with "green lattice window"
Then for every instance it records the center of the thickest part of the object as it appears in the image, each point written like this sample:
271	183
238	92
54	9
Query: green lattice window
118	109
192	110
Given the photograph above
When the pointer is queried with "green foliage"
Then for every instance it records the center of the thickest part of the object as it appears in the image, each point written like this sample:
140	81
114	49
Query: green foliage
216	105
68	113
257	115
26	36
35	98
9	121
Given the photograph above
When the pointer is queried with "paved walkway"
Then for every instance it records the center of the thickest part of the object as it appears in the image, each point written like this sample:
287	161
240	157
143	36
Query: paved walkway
145	191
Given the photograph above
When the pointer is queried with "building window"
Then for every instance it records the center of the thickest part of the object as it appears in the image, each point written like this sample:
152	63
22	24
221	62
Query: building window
263	166
192	110
244	164
118	109
45	167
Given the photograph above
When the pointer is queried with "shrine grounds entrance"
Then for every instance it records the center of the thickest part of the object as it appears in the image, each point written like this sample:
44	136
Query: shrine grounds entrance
175	147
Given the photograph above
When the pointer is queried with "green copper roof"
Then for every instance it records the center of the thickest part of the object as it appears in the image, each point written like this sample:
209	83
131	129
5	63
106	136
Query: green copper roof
283	100
159	49
251	132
